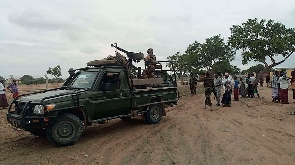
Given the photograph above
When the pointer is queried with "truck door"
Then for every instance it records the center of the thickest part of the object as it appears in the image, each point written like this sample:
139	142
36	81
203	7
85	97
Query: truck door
113	96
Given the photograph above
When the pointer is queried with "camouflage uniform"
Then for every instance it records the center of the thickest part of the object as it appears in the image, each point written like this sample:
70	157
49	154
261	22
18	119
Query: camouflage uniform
209	88
150	62
193	85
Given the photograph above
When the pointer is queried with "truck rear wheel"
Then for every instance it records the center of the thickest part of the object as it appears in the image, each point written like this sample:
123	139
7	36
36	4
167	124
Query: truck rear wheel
65	131
154	114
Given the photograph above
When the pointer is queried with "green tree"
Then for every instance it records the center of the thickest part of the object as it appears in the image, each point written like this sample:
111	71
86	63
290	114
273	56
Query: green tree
236	70
256	68
223	67
260	40
56	72
27	79
213	51
209	54
40	80
193	57
180	64
226	67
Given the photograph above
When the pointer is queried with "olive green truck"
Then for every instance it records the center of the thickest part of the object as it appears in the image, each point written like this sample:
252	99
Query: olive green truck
102	91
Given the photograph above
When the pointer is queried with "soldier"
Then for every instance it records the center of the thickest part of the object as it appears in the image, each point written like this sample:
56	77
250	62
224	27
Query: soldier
218	86
193	84
150	62
209	88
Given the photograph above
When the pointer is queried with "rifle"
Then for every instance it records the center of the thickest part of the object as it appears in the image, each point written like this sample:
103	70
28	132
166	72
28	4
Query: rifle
136	57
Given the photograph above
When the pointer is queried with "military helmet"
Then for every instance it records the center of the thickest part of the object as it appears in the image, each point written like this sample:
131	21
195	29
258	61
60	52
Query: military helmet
150	50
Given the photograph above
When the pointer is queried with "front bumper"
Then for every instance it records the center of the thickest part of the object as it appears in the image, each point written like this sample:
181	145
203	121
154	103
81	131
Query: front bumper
27	122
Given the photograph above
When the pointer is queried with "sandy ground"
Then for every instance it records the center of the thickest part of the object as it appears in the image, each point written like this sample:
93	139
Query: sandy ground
252	131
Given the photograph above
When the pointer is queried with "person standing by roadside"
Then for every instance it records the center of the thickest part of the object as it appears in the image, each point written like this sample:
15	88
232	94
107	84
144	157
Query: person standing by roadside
293	84
242	87
267	80
3	99
227	78
251	86
209	88
226	98
13	89
218	85
236	89
193	84
274	86
284	87
248	82
261	81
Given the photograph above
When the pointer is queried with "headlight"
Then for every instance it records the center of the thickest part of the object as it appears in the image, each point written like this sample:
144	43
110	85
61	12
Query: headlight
38	109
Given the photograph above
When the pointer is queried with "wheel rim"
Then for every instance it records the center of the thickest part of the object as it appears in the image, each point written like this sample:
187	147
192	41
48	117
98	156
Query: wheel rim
155	112
65	130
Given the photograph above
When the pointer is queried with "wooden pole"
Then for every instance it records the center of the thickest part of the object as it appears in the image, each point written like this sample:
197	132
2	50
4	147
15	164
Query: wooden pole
46	81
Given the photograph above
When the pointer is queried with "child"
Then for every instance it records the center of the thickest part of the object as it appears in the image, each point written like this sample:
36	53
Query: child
226	98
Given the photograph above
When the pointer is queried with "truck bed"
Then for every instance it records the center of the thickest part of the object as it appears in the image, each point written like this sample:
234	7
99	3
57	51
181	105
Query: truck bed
143	97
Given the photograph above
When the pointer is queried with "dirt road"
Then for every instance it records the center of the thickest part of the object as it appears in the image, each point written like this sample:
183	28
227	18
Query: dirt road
252	131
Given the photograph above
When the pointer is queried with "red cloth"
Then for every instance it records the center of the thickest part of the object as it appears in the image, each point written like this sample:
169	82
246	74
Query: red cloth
284	95
236	94
3	101
14	95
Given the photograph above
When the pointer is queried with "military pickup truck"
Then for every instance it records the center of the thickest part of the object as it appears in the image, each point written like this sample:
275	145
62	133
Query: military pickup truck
102	91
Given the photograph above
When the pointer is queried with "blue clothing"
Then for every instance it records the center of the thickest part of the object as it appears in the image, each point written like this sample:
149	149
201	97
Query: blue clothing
236	84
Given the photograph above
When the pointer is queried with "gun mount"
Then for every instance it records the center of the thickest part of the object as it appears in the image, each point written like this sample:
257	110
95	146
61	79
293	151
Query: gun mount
136	57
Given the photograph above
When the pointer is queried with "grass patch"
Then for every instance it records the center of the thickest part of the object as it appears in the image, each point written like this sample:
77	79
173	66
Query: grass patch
184	90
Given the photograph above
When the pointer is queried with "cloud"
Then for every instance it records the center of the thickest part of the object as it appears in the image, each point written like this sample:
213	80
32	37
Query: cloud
35	36
38	20
88	50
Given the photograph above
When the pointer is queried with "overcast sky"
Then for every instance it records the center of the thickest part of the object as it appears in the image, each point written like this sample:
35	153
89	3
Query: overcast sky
36	34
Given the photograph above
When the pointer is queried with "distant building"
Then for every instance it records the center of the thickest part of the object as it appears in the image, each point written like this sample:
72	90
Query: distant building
288	70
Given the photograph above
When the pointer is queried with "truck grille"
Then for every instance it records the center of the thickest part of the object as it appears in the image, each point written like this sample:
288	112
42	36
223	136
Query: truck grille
20	107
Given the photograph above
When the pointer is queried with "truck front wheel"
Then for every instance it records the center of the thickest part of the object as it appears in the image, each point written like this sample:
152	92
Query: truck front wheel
65	131
154	114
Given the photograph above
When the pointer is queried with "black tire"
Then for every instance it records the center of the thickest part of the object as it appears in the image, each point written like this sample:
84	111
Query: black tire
38	131
154	114
65	131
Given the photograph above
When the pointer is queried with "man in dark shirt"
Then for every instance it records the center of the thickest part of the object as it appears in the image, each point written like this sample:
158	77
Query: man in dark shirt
209	88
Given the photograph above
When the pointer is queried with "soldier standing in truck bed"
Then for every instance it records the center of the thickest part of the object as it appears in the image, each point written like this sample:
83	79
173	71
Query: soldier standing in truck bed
209	88
150	62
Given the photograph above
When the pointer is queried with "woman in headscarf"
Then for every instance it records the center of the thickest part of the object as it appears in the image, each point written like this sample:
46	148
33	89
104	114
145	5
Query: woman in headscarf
242	87
3	99
284	86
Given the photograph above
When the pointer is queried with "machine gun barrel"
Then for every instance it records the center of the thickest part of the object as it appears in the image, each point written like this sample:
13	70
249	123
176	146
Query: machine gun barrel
131	55
120	49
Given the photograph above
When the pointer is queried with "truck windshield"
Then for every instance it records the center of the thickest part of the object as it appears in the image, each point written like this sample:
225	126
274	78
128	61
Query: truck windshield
83	79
